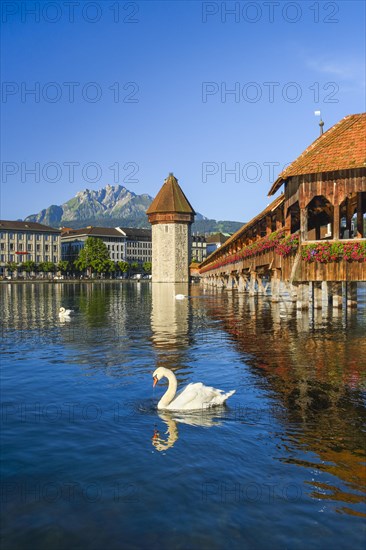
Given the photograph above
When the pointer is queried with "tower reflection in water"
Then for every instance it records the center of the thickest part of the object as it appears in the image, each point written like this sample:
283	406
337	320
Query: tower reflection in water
171	339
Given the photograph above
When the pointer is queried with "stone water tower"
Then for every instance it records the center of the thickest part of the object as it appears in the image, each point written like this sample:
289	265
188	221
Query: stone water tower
171	216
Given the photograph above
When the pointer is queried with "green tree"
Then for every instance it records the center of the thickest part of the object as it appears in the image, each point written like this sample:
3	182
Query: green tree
29	266
47	267
63	266
123	267
12	267
147	267
109	266
93	256
135	266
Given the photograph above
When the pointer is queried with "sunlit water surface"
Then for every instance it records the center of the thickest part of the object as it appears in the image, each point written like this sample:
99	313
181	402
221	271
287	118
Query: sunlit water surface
89	462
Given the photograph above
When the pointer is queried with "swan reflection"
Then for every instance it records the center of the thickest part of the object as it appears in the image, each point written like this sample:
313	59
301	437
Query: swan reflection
206	418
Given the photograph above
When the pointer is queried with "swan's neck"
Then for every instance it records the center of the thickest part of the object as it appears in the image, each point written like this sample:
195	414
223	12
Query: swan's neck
171	391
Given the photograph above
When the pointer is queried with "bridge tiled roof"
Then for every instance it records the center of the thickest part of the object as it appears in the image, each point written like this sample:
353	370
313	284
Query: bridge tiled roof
342	147
170	199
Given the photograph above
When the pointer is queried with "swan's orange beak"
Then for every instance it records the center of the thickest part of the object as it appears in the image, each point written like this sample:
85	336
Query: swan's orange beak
155	381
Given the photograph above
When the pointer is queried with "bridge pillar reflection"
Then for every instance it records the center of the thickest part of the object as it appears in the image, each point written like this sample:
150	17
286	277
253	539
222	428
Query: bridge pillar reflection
335	291
262	287
252	283
316	294
275	285
351	294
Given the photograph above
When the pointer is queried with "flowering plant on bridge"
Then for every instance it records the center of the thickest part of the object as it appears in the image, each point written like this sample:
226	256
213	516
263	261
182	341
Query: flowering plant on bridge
276	241
326	252
288	245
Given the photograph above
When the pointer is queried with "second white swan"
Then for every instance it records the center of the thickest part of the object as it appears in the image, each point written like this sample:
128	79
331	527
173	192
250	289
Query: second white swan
193	397
65	312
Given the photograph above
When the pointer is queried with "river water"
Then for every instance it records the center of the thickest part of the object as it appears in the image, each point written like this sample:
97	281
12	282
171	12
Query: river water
88	461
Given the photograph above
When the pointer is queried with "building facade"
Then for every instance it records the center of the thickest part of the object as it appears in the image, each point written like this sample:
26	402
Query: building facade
171	217
199	248
124	244
27	241
138	245
215	241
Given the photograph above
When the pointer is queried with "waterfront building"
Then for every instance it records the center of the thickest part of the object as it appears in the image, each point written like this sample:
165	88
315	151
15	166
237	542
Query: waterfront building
171	216
214	241
138	244
124	244
23	241
199	248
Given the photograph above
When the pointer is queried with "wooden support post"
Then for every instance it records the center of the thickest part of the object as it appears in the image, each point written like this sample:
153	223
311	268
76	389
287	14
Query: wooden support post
326	293
268	225
317	229
261	288
336	222
241	283
360	230
302	301
304	224
292	291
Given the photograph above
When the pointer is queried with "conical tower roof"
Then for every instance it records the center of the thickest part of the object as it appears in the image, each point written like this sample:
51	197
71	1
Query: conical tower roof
170	199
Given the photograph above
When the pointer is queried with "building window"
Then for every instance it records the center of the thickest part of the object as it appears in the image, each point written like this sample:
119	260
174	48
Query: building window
38	258
11	235
38	237
46	258
55	247
20	236
11	257
11	246
46	237
29	237
55	259
46	247
38	247
2	246
29	247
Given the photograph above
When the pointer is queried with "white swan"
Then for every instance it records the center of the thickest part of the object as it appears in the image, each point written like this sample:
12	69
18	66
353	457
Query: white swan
179	296
193	397
65	312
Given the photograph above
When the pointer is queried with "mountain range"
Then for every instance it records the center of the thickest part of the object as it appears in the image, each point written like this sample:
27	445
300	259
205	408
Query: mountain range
112	206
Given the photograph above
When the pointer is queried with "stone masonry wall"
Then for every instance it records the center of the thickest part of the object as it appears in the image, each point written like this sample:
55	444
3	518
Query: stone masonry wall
170	252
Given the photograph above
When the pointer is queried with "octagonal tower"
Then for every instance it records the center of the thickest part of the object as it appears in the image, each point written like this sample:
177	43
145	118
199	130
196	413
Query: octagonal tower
171	216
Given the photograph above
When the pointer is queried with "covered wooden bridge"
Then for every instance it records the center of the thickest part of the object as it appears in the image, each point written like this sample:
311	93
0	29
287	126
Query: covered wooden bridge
309	244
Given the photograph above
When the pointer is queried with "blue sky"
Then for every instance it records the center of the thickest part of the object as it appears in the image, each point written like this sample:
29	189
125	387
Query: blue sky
125	92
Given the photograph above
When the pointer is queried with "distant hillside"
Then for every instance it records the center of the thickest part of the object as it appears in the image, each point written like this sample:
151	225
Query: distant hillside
112	206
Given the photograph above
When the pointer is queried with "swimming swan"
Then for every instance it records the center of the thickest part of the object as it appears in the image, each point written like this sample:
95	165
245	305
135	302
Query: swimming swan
179	296
65	312
193	397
